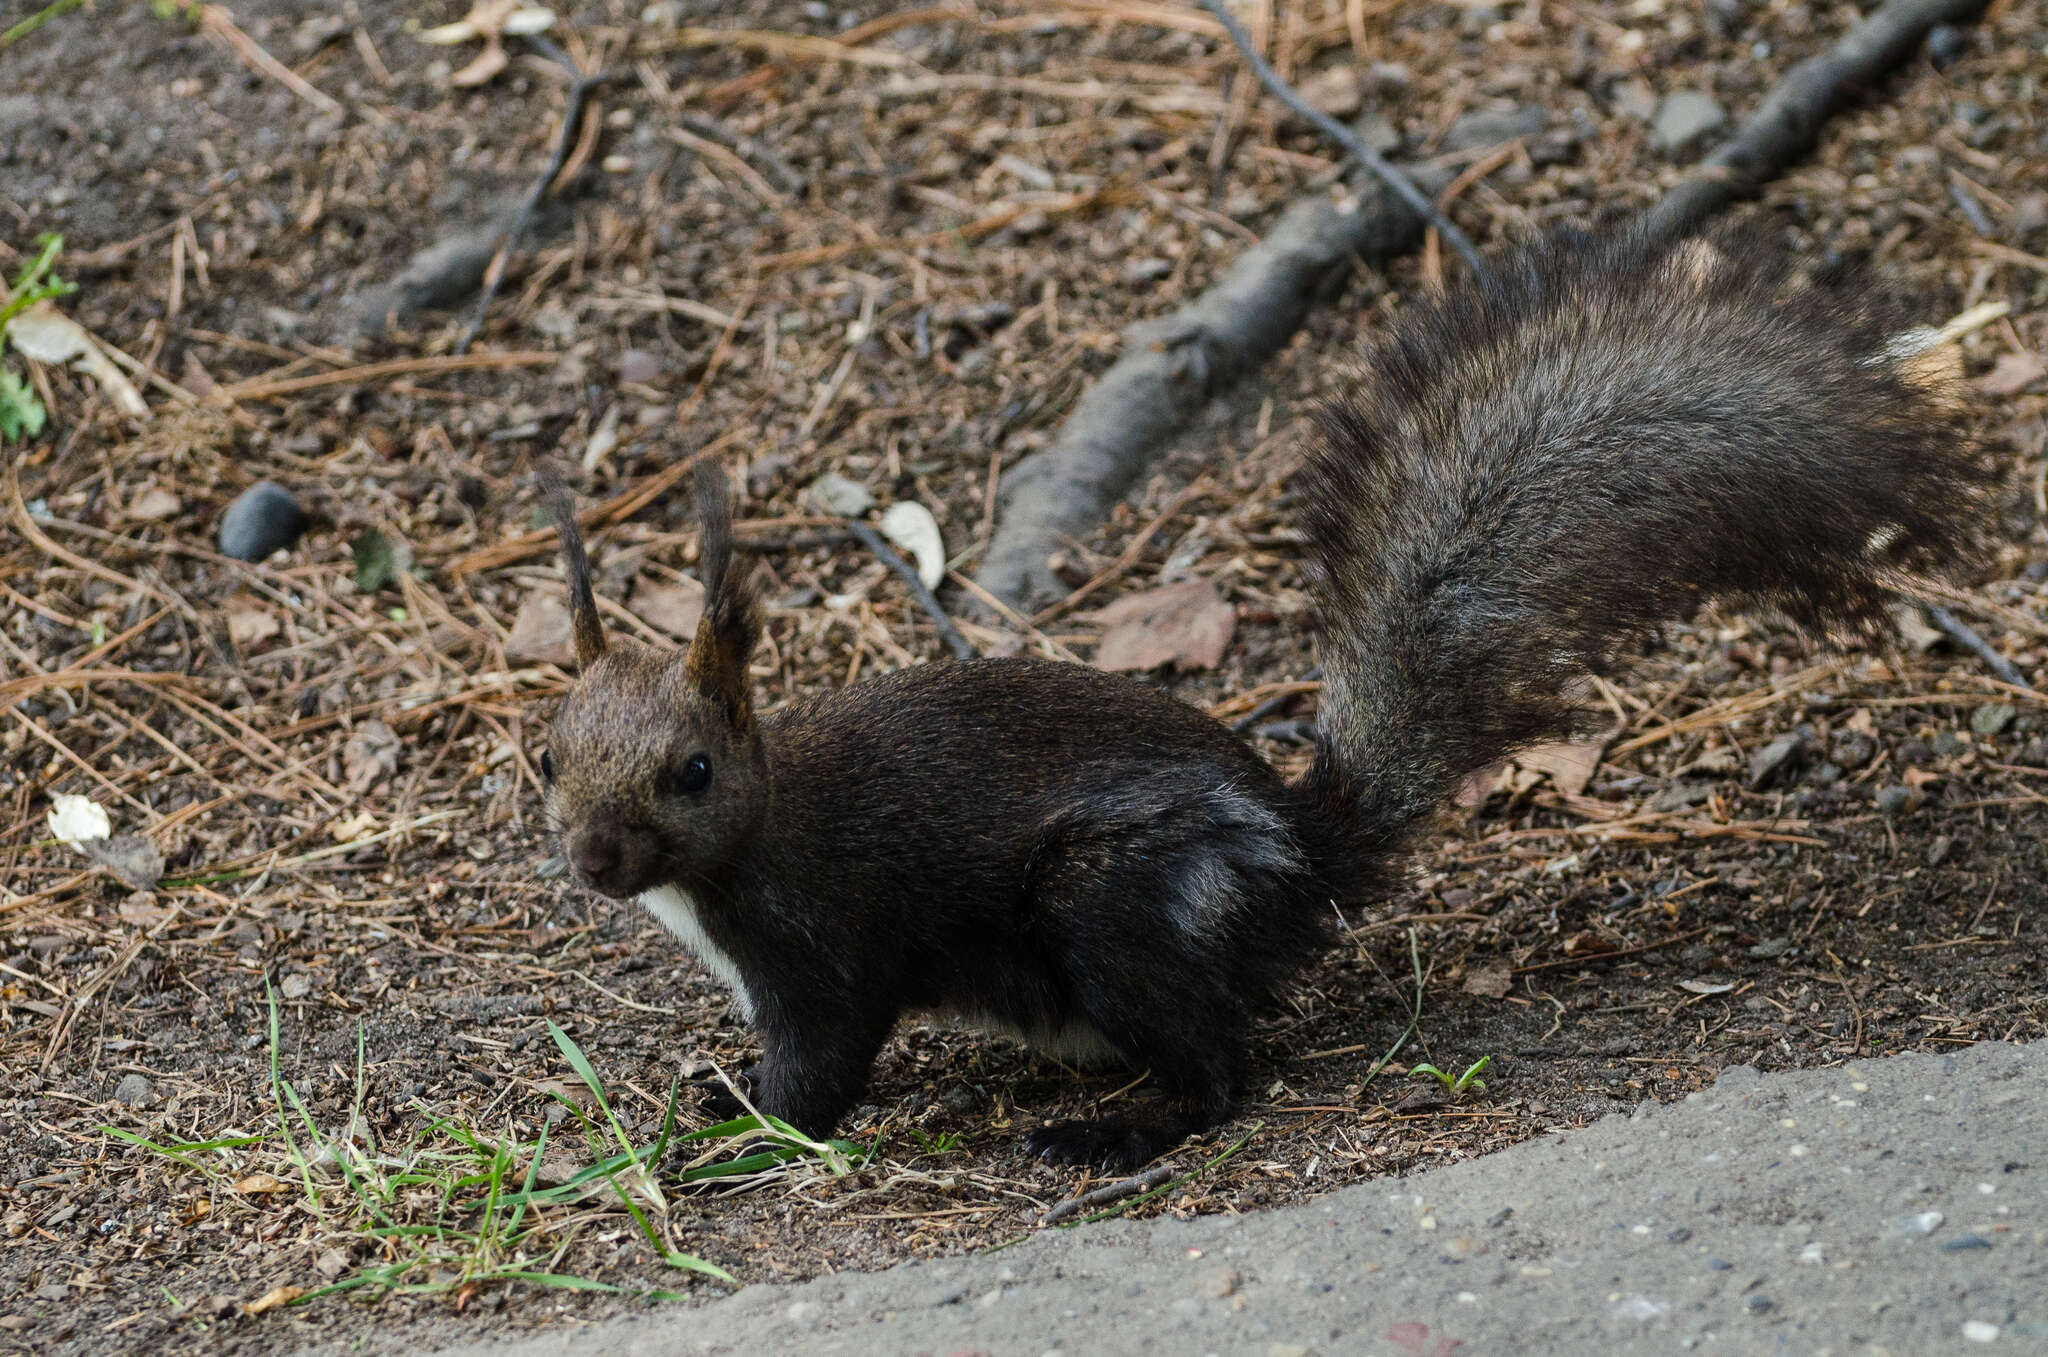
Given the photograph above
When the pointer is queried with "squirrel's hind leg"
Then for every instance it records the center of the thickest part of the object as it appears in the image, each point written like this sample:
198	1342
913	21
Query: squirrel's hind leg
1144	950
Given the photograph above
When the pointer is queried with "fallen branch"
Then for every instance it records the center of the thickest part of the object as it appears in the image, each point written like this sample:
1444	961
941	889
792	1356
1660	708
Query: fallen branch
1170	366
1107	1193
950	634
565	143
1403	187
1964	635
1789	120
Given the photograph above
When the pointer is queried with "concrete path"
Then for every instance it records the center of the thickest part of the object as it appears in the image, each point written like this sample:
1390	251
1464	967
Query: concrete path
1893	1207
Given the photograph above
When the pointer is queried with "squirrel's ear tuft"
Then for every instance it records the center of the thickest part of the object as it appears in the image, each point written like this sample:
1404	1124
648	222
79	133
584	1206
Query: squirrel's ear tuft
589	631
731	624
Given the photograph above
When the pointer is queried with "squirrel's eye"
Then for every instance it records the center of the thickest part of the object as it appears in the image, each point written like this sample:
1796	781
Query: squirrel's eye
696	775
547	766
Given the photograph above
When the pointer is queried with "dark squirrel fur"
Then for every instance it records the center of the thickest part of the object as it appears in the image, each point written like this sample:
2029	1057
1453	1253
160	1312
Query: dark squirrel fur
1529	477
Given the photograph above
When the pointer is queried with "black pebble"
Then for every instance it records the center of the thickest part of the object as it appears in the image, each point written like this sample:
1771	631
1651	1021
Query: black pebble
264	518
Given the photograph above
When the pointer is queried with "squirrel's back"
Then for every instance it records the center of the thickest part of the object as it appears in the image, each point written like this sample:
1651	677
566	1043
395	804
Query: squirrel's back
1534	471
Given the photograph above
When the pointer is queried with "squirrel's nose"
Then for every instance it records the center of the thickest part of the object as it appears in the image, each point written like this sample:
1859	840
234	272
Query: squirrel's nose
594	856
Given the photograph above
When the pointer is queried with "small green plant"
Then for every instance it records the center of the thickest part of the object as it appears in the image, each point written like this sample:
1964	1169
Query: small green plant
450	1208
21	414
16	32
945	1142
1458	1085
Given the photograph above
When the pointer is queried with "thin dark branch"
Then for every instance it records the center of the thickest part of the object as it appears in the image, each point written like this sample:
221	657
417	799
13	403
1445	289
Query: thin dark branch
1403	187
572	122
948	633
1789	120
1966	636
1108	1192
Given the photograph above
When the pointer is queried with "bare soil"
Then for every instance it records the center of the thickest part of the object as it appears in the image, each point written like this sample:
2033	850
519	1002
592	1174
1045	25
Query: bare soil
900	265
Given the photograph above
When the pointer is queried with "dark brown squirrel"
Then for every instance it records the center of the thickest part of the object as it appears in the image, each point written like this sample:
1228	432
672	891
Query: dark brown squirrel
1529	476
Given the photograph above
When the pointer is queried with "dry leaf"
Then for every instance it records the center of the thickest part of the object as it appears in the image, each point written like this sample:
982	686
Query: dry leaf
670	608
1490	981
354	827
274	1297
1705	986
1186	624
1478	785
1568	766
370	756
50	336
541	630
74	819
154	505
488	63
911	526
248	624
260	1184
2013	373
492	19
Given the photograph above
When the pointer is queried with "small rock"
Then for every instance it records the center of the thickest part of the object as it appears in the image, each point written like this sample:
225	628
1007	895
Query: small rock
1926	1222
1977	1331
264	518
1378	133
1963	1242
134	1090
1992	718
1635	99
1945	43
1776	760
1758	1304
959	1098
1492	126
1680	795
1144	271
1893	800
832	493
1771	948
638	366
1948	744
1388	76
2029	215
1336	91
1938	850
1685	117
1224	1281
1851	750
1729	15
296	986
765	473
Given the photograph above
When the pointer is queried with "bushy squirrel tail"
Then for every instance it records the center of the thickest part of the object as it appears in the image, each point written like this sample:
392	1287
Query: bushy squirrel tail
1614	431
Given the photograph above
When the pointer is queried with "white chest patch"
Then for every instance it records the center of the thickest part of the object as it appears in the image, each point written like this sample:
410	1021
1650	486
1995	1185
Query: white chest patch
677	911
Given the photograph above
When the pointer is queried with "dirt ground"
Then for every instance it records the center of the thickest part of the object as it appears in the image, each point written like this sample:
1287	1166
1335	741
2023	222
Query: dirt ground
899	260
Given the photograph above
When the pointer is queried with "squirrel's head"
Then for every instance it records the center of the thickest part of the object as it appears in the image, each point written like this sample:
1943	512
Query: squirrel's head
654	768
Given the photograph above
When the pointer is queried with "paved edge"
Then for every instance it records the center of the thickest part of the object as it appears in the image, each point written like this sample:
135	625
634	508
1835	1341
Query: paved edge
1891	1206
